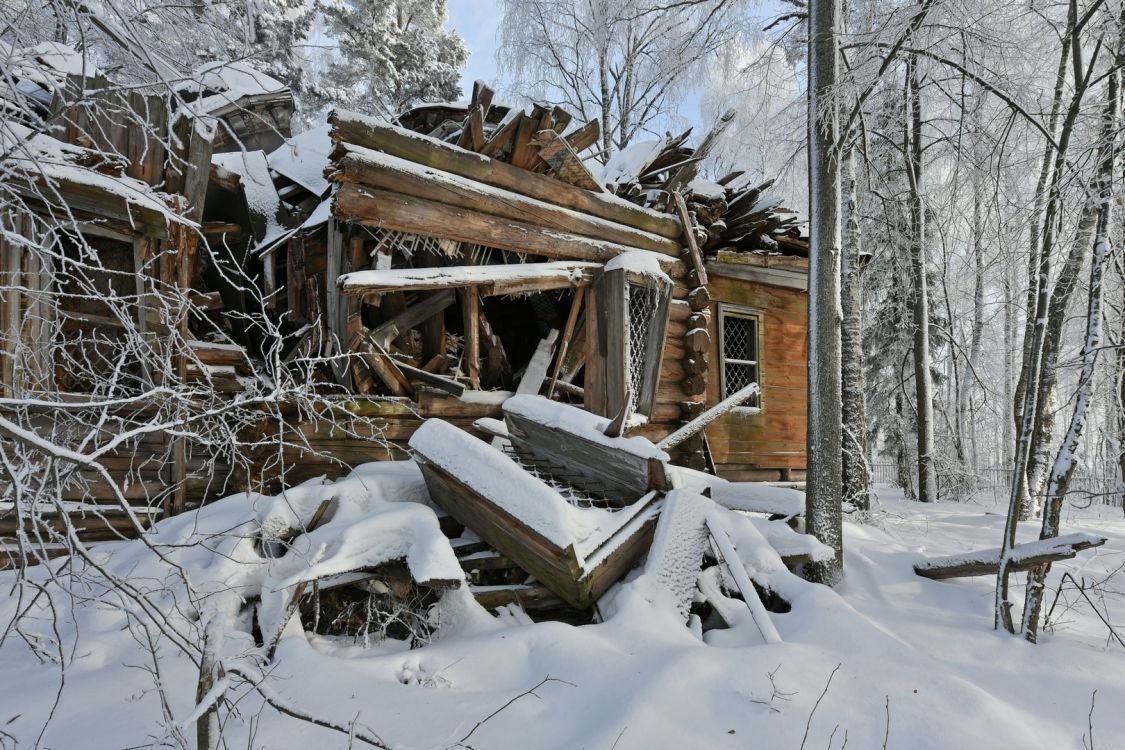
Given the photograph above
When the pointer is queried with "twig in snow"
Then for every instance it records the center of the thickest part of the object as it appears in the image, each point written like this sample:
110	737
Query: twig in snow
817	705
887	731
531	691
1090	722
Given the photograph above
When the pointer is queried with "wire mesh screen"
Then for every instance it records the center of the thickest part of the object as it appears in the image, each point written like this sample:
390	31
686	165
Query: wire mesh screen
573	489
389	241
641	302
740	353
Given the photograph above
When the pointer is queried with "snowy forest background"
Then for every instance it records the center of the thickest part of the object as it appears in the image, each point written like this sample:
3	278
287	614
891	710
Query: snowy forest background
974	252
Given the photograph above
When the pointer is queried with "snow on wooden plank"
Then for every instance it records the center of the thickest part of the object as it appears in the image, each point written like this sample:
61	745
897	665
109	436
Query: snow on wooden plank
1022	556
377	169
497	477
678	547
491	280
377	134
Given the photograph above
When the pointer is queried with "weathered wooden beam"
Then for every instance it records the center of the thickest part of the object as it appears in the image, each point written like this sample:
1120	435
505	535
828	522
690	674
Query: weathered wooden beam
470	315
709	416
448	385
387	332
564	343
489	280
391	210
391	173
689	237
349	127
1023	557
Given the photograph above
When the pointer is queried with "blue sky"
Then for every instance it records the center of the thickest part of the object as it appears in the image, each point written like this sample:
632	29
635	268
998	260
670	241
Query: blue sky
477	21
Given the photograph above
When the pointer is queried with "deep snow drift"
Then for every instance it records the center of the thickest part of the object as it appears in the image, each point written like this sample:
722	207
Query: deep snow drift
901	661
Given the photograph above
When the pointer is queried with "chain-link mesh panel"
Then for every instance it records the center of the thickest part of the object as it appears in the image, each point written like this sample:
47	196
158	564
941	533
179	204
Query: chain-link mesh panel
576	490
641	303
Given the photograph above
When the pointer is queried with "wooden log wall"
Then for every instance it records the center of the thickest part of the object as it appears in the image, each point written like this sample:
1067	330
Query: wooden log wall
770	445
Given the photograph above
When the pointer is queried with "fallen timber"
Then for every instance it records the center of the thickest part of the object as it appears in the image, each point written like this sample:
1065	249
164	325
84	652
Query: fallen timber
1022	557
527	520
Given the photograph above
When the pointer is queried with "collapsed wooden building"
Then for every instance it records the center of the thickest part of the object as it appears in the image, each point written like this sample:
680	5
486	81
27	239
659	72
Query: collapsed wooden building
433	267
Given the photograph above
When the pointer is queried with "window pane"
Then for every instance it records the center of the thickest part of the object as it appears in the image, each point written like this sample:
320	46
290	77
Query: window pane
740	338
739	376
642	304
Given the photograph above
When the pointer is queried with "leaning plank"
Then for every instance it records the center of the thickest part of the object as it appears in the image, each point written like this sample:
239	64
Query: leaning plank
366	131
368	167
387	332
568	165
1023	557
689	237
383	208
494	280
448	385
536	371
708	417
742	579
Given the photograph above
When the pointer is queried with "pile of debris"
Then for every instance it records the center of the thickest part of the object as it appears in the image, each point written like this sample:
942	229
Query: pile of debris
549	515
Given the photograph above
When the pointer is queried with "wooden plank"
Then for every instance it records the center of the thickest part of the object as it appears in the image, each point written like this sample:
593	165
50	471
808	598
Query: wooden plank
387	332
557	569
371	133
397	175
501	137
470	315
536	371
564	343
295	275
987	562
381	208
566	162
448	385
689	238
586	136
489	280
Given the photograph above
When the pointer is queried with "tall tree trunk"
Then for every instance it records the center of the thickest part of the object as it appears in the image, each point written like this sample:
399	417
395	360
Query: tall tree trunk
1040	233
1018	503
920	304
965	384
856	473
823	511
1097	204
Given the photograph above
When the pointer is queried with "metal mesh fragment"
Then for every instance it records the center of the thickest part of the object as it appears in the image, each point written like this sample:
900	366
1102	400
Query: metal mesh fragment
642	303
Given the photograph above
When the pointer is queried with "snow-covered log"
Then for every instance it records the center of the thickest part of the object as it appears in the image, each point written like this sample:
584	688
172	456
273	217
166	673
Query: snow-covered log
1021	557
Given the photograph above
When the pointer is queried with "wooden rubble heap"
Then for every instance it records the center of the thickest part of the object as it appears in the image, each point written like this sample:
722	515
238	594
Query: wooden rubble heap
548	462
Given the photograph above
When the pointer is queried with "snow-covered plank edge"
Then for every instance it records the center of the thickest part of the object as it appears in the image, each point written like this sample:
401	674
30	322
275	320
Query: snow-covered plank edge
1022	557
491	280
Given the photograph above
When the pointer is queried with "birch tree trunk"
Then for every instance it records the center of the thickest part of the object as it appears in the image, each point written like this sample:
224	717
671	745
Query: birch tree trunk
1098	204
823	510
923	385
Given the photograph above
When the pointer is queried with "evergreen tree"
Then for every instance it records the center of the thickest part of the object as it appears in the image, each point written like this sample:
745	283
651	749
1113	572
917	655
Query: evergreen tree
391	54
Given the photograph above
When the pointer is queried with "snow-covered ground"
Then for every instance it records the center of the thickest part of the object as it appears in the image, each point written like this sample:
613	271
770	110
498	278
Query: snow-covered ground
894	660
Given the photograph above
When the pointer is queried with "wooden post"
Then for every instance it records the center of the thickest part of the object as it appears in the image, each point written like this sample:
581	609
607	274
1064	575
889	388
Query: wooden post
470	313
568	332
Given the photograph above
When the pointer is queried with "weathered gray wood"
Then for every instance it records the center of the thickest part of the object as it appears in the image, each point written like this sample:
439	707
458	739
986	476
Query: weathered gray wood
987	562
536	371
387	332
365	131
621	476
448	385
709	416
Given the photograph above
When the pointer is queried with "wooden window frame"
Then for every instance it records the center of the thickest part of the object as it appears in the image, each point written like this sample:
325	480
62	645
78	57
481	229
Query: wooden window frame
746	313
607	329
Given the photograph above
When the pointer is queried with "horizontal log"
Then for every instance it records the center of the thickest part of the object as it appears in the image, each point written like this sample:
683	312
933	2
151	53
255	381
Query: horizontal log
350	127
489	280
380	170
405	213
1022	556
